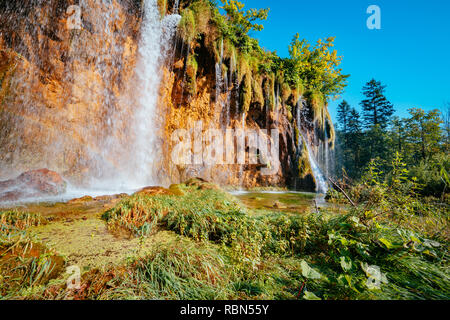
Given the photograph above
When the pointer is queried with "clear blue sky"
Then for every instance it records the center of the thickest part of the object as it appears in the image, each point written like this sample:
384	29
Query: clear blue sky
410	54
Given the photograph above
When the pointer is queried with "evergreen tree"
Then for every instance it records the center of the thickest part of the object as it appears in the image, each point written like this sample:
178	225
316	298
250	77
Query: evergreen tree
354	143
397	135
446	121
343	116
377	110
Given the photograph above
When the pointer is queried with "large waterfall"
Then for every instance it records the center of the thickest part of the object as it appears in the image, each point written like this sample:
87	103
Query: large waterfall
85	102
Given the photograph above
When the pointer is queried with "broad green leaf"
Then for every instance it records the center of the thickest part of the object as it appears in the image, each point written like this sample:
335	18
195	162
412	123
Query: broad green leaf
310	296
386	242
346	263
309	272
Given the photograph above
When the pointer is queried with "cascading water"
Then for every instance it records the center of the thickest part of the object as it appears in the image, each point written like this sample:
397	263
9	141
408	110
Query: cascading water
326	154
153	46
98	123
136	167
321	181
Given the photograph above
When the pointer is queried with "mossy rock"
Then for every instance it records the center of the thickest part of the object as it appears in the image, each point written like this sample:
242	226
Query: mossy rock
177	189
152	191
201	184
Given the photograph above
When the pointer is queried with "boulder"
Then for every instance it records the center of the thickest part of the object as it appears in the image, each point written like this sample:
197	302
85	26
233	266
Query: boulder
32	184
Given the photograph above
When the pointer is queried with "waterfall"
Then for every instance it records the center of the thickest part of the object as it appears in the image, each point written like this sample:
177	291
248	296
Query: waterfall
137	160
153	47
321	181
175	6
219	83
326	154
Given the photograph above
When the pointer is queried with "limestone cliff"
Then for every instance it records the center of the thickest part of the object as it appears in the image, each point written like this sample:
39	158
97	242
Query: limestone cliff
67	95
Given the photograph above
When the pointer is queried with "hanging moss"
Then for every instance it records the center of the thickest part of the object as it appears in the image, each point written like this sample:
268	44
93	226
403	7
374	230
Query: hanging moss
191	75
258	96
245	95
316	102
186	27
229	50
289	113
304	166
329	127
271	93
285	92
268	88
202	14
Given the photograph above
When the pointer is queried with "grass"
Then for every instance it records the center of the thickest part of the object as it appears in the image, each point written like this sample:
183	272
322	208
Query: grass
23	263
215	248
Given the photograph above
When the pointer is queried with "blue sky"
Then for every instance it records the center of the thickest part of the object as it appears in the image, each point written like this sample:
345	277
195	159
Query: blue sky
410	54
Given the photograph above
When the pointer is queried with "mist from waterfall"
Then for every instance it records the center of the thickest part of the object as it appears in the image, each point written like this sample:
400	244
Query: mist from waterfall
321	181
319	177
137	160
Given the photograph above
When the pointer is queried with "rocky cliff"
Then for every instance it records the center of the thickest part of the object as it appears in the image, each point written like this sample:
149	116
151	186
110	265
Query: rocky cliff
67	95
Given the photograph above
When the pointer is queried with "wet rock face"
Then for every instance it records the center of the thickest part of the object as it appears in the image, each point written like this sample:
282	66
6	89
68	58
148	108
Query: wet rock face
32	184
60	87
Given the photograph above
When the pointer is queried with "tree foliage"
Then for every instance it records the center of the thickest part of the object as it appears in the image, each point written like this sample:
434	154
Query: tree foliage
421	139
317	67
244	20
377	110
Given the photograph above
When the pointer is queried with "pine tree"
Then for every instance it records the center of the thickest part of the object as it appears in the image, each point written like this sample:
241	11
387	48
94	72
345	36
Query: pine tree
354	143
343	116
397	135
377	110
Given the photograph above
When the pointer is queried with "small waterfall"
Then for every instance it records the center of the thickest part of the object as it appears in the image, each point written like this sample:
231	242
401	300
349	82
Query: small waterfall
326	154
321	181
277	103
241	166
176	6
222	104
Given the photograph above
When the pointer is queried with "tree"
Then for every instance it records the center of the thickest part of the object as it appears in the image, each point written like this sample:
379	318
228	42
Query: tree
446	121
343	116
354	141
377	110
316	67
397	134
244	20
424	133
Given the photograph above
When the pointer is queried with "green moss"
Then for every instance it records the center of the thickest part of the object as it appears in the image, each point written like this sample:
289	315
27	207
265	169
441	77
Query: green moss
186	27
203	15
329	127
258	96
245	94
304	166
316	101
191	75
